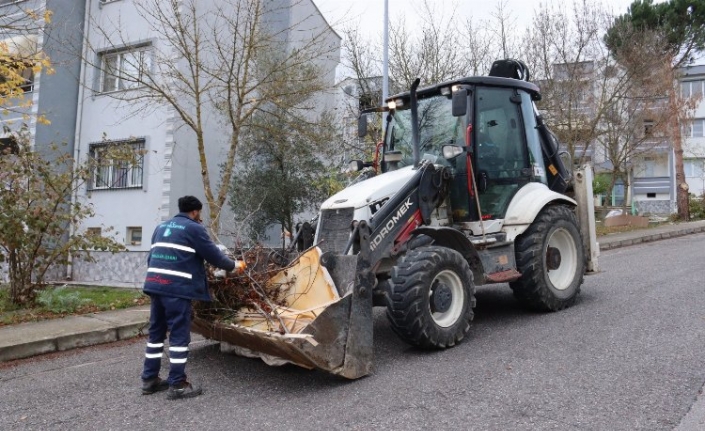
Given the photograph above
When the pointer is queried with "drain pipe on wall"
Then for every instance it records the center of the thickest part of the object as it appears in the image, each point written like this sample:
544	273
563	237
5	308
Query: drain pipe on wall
79	123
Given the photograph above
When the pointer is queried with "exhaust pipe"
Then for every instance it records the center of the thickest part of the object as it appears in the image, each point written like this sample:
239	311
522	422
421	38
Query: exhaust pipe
415	122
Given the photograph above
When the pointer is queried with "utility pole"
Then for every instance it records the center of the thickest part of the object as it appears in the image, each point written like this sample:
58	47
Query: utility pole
385	60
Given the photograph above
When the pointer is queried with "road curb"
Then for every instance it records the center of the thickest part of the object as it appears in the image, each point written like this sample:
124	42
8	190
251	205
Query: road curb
38	338
606	244
71	341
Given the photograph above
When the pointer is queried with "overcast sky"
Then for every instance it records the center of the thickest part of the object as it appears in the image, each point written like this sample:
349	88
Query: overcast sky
369	14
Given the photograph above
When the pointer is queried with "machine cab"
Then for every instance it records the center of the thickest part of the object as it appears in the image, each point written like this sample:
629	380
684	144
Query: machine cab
484	129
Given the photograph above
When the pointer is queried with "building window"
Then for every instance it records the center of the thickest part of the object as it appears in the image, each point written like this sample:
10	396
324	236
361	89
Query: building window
649	167
93	231
9	145
18	64
22	73
134	235
693	168
117	165
123	69
648	128
697	128
692	88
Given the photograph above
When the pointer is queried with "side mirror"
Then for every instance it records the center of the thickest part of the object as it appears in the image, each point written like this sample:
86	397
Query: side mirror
451	151
362	126
460	102
355	166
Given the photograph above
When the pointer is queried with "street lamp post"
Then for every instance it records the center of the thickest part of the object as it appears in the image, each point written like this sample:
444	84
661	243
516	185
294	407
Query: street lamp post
385	60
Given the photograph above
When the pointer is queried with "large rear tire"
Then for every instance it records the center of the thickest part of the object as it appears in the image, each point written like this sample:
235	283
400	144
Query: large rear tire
432	297
551	259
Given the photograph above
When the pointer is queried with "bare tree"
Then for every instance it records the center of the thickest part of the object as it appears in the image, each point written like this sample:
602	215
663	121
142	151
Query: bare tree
478	46
232	59
579	80
443	47
642	118
681	26
431	52
503	26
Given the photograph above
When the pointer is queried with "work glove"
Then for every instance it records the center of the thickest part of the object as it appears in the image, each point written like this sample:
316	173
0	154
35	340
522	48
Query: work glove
240	267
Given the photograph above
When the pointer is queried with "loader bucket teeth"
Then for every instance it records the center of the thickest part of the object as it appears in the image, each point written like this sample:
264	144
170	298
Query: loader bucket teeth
327	321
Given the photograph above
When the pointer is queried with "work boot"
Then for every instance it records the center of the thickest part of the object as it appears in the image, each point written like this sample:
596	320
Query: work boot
183	390
154	385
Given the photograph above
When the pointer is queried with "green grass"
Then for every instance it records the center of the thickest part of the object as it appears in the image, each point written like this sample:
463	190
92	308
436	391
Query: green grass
108	297
55	302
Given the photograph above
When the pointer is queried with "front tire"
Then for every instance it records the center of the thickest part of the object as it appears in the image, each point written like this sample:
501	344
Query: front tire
551	259
432	297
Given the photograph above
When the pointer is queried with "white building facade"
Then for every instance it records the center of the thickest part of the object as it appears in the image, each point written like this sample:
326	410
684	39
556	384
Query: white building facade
693	85
653	184
131	199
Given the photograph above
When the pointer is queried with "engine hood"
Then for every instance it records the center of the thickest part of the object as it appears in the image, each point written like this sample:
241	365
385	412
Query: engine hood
371	190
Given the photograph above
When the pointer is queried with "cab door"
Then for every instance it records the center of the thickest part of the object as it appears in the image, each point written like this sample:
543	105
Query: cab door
502	160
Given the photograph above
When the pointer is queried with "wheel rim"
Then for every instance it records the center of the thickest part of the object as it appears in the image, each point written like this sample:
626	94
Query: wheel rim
447	283
561	248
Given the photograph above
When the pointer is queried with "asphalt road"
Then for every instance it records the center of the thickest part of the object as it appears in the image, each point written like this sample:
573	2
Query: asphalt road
630	355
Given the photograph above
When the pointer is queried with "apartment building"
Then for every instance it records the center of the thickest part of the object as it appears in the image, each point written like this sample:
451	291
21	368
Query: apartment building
653	183
131	199
54	96
693	85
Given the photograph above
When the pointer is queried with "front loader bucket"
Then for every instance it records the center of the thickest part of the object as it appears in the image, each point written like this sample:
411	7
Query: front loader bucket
326	323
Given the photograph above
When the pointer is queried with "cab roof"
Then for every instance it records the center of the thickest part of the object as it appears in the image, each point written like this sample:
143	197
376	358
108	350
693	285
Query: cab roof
485	81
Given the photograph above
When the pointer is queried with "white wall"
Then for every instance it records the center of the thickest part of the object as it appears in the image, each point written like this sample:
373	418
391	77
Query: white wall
694	147
102	117
172	167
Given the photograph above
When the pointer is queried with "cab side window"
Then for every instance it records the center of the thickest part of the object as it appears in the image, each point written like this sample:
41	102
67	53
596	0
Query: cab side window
500	142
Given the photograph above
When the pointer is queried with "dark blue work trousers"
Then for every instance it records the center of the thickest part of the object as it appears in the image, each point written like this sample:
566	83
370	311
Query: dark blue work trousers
173	315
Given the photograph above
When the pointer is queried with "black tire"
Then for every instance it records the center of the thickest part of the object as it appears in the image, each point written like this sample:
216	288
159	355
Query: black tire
432	297
551	259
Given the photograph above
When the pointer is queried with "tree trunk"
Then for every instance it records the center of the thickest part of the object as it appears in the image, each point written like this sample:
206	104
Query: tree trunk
681	184
21	288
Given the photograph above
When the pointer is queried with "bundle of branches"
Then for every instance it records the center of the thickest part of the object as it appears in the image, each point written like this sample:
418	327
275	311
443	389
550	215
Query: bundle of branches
249	290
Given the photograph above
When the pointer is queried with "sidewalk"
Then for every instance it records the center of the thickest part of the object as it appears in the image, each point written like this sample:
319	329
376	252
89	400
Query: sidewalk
623	239
55	335
29	339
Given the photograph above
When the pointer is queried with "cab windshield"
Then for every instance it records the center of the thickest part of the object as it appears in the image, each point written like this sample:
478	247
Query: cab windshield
437	127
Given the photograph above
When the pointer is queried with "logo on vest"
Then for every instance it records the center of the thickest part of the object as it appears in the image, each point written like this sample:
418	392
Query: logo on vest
158	280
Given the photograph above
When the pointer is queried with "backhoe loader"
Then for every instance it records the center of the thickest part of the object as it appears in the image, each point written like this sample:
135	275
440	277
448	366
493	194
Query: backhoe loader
470	190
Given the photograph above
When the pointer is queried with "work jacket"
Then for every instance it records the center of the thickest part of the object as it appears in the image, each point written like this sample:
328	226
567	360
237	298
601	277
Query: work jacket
175	263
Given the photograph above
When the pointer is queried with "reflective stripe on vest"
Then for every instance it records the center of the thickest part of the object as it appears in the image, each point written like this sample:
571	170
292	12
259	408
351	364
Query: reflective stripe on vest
176	246
170	272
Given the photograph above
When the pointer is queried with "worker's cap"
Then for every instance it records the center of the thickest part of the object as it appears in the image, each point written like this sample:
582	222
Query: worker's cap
189	203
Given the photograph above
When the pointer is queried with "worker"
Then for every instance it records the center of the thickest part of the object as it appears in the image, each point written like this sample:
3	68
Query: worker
176	275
